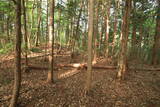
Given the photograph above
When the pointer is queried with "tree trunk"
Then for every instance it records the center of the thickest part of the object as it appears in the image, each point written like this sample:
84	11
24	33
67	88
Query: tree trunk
107	28
90	34
133	43
67	32
133	51
46	39
85	24
39	22
17	72
115	26
78	22
51	41
95	32
8	23
122	64
32	25
25	33
101	35
156	45
140	40
59	26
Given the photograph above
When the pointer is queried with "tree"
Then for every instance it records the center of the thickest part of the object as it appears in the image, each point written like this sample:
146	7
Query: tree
122	64
51	40
17	72
46	39
156	46
107	27
95	31
90	34
115	24
39	18
25	32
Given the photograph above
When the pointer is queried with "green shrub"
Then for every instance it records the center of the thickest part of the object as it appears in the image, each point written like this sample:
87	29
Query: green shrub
7	48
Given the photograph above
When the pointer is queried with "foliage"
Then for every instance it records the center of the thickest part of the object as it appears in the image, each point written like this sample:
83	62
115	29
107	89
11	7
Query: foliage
7	48
66	21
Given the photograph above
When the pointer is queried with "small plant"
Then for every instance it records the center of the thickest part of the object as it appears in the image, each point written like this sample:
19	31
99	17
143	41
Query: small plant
7	48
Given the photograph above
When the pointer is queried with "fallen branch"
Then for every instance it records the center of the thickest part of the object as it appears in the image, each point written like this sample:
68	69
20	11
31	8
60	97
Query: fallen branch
146	69
84	66
78	66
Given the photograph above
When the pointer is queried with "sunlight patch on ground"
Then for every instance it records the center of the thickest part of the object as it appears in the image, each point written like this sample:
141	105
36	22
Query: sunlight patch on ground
68	73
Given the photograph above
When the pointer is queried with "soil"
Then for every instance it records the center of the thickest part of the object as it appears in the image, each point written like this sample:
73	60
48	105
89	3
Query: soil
139	89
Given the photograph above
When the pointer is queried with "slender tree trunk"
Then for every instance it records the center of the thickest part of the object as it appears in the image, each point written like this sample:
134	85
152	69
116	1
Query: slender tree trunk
25	33
42	27
59	26
133	43
122	64
17	72
90	34
95	31
3	19
72	35
140	40
67	32
101	34
46	42
85	24
115	26
39	22
8	24
156	45
78	21
85	33
133	51
51	41
107	30
32	25
8	35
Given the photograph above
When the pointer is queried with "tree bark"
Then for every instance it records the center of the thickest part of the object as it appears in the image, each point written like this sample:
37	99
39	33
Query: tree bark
8	23
107	28
25	32
115	25
133	43
140	40
133	52
17	72
51	41
32	24
90	34
46	39
122	64
95	31
156	45
39	12
78	23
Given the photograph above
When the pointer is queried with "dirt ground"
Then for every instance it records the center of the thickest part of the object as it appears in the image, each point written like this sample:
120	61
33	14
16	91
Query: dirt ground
139	89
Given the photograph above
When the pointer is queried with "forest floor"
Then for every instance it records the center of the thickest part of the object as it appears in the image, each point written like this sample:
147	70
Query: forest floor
139	89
